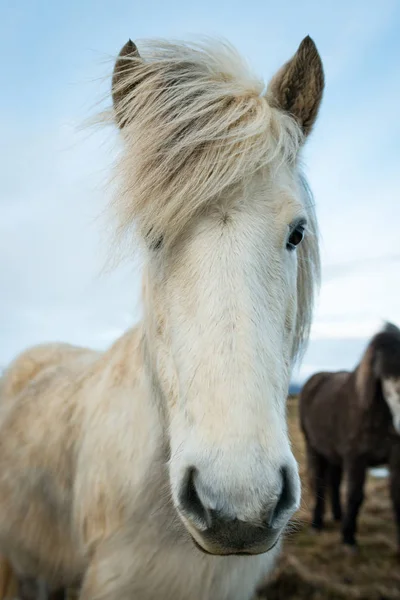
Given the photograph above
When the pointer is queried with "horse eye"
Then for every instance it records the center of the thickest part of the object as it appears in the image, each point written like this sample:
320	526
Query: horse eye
296	236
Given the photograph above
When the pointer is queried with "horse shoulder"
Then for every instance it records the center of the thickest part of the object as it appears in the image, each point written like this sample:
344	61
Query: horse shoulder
30	363
121	435
39	434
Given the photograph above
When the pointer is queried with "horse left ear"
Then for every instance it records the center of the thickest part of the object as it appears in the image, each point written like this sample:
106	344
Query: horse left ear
125	65
298	86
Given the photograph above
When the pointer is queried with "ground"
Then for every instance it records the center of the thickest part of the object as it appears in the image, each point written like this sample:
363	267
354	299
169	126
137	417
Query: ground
315	566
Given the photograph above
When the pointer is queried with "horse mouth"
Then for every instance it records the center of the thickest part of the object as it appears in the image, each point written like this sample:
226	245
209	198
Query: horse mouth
233	552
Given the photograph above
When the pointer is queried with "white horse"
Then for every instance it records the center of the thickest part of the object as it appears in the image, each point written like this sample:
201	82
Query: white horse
162	468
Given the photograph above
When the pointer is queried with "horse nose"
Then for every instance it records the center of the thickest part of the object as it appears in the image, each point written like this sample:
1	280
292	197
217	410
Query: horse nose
190	504
287	503
218	533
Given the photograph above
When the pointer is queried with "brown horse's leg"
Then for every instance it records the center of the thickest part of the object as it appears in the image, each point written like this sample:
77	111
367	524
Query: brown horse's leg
394	465
318	471
37	589
59	594
335	473
356	471
30	588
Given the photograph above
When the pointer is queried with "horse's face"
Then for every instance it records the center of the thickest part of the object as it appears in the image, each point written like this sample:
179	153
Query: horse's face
391	392
227	295
385	348
222	313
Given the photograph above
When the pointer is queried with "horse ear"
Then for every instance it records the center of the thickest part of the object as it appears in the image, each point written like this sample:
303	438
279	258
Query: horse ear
298	86
124	66
368	374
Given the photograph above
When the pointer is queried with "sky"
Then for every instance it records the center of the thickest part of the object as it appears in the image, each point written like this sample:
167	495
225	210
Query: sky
55	62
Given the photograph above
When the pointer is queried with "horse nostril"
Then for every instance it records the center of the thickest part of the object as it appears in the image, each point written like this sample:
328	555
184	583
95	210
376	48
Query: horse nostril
286	501
189	502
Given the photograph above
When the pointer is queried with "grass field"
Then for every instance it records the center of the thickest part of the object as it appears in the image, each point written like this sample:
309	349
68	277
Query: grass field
316	567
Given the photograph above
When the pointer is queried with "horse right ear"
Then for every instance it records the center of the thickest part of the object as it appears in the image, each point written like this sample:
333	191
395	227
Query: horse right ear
298	86
122	85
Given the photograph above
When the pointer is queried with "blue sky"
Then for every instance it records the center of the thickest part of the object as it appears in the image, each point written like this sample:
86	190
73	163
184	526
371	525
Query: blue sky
55	61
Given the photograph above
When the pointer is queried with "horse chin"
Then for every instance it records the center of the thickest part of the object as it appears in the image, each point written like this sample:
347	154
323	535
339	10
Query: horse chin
216	549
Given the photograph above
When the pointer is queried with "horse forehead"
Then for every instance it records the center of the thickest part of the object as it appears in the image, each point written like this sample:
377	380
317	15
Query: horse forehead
271	190
272	198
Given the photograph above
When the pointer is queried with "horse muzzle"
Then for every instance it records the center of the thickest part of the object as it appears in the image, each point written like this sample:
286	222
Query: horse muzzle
217	533
237	537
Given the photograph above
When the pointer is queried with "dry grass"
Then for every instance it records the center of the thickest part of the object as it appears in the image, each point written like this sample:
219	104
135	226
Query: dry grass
316	567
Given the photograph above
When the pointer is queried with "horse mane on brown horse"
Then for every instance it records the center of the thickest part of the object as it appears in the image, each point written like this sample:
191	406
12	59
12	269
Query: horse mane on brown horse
381	361
351	421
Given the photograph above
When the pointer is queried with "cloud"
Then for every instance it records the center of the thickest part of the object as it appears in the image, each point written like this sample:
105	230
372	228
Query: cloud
363	264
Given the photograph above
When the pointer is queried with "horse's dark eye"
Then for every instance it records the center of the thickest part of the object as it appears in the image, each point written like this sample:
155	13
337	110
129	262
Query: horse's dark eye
296	236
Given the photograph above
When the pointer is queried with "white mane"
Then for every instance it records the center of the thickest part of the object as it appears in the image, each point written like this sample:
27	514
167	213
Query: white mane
196	123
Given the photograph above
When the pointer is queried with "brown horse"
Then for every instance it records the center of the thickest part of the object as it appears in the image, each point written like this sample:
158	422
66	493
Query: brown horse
351	421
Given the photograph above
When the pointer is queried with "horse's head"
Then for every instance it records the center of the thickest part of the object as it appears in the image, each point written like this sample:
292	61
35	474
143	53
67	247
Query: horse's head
210	177
378	374
387	369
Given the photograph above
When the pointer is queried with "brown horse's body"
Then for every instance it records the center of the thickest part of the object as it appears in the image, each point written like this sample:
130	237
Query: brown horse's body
348	428
344	428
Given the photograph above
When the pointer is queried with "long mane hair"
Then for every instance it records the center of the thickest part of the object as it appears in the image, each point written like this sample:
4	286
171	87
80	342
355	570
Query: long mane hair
195	124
